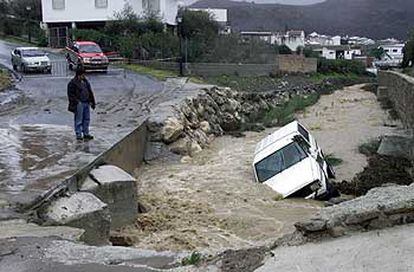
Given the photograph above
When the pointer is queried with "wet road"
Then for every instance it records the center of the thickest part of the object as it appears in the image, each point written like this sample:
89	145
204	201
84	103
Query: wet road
38	148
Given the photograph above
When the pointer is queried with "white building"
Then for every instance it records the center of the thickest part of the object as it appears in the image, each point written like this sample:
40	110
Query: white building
338	52
257	35
393	55
324	40
220	15
73	12
293	39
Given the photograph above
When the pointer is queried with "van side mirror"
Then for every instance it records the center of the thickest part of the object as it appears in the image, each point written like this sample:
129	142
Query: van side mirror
302	143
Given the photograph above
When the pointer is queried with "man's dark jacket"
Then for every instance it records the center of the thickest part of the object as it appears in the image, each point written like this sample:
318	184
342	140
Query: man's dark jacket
74	94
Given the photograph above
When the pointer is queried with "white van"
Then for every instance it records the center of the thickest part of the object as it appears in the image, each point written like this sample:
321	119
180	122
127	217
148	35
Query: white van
292	164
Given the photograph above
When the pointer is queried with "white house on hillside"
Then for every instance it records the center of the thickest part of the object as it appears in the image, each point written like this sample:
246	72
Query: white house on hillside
325	40
292	39
393	54
338	52
60	14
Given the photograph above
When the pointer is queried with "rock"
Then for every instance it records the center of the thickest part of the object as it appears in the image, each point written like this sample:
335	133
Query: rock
230	122
171	130
81	210
181	147
379	208
397	146
186	159
118	190
195	148
205	127
20	228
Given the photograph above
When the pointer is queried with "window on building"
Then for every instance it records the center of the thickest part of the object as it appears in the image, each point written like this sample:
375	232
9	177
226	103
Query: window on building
58	4
151	6
395	50
101	3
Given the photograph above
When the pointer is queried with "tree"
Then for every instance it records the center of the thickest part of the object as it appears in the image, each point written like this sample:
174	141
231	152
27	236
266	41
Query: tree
18	8
408	60
201	32
377	53
284	50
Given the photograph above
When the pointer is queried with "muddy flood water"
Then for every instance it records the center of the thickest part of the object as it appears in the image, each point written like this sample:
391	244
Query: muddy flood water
210	202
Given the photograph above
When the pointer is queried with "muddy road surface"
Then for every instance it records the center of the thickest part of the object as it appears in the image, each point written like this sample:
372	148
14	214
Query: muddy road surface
210	202
38	147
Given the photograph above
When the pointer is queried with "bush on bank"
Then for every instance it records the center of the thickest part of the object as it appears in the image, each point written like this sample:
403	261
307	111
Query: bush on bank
341	67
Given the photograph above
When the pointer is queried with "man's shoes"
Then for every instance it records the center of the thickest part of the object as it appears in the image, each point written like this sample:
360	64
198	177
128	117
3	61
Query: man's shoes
88	137
79	138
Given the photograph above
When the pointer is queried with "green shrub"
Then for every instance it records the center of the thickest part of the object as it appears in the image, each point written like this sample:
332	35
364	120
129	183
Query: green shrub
341	66
332	160
284	114
193	259
369	148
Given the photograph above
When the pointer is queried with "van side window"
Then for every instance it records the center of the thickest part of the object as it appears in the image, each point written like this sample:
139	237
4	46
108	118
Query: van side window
304	132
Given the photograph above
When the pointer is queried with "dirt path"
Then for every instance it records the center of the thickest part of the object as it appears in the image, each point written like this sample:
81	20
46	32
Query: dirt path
210	202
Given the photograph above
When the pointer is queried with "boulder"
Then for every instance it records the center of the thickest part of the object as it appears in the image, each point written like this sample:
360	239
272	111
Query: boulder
118	190
172	130
397	146
205	127
81	210
379	208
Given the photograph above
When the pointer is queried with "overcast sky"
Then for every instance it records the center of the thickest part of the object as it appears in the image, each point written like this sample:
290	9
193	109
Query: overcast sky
291	2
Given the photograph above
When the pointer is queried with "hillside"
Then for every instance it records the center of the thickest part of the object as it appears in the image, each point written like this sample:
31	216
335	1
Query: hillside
373	18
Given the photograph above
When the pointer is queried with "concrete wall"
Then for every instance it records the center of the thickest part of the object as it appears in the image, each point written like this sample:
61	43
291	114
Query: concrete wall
400	90
286	63
127	154
297	64
217	69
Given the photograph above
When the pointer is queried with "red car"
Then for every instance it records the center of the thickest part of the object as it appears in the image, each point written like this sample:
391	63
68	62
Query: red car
88	54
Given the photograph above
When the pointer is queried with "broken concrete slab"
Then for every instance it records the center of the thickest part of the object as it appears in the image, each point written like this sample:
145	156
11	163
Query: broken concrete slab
81	210
379	208
20	228
53	254
117	189
385	250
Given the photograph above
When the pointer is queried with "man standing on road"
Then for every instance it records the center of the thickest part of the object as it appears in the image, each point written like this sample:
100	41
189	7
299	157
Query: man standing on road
81	99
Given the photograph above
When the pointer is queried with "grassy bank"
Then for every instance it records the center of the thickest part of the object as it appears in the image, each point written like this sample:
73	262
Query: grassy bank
5	79
319	77
16	40
284	114
156	73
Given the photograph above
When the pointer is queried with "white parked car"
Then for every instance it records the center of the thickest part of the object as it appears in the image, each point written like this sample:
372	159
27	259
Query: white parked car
292	164
26	59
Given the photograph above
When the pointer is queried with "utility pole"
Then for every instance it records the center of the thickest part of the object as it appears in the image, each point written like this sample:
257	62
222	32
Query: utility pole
29	29
179	20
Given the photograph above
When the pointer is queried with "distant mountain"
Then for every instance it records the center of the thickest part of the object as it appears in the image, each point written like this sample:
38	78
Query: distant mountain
376	19
284	2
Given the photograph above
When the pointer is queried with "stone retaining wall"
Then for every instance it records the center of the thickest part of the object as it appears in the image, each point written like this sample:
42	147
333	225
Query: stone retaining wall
399	88
189	125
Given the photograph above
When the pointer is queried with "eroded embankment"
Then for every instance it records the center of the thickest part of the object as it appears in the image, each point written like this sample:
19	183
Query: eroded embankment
210	201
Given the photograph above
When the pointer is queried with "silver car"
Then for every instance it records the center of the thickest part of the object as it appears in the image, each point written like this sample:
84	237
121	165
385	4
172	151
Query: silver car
27	59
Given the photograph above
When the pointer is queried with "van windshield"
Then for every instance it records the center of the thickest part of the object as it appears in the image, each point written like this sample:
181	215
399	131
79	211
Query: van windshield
279	161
